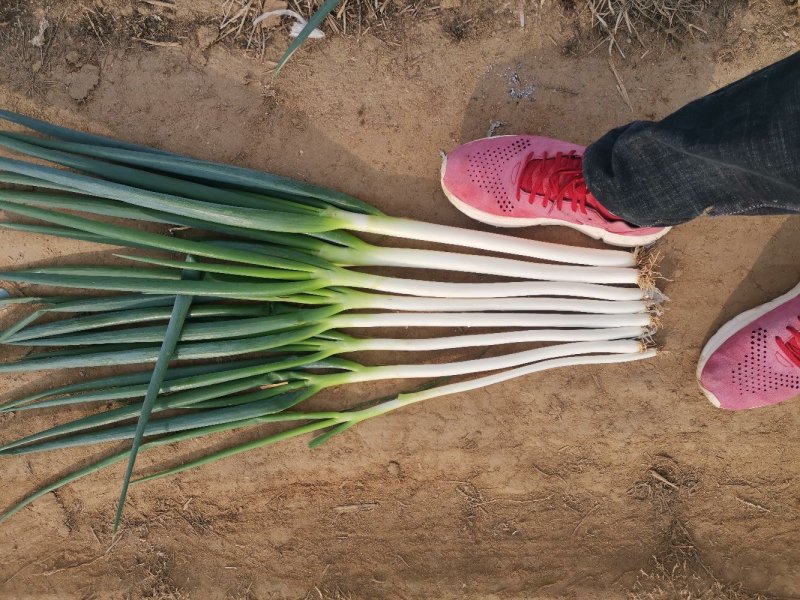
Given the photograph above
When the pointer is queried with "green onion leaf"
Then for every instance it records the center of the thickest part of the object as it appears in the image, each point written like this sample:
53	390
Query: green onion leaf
315	21
179	313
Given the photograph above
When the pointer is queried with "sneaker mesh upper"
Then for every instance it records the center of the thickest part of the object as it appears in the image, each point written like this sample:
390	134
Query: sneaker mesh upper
486	168
755	374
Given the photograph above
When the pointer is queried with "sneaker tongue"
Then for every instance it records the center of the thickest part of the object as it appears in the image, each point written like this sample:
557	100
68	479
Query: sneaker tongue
545	177
794	346
562	175
526	178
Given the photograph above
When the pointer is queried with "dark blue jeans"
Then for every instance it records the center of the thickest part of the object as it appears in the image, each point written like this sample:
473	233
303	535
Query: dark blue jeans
733	152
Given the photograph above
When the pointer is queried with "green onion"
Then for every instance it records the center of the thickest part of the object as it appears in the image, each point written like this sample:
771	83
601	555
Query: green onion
402	401
262	400
169	439
332	217
276	292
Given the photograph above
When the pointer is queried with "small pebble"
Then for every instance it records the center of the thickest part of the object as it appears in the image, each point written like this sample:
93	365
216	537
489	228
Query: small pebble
393	468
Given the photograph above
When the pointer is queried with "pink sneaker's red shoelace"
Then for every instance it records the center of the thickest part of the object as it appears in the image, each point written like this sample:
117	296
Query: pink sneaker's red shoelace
556	179
791	347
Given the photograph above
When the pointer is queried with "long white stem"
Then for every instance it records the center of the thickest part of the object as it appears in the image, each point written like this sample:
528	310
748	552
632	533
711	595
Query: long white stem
566	273
494	363
574	290
493	242
480	382
446	289
493	339
416	303
464	263
361	320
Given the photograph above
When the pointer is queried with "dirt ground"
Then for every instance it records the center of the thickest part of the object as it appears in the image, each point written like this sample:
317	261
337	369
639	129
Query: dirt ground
612	482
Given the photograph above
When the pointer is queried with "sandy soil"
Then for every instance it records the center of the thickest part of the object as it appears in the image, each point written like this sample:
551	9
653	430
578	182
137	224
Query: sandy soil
589	483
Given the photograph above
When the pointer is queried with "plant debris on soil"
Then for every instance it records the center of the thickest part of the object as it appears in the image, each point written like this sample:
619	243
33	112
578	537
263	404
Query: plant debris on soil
679	574
351	17
675	19
360	16
676	571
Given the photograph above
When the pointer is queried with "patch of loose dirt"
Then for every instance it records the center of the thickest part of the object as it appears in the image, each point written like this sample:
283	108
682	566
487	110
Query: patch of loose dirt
610	482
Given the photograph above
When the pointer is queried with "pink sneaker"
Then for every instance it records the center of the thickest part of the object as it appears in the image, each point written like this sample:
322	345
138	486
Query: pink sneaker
521	180
754	360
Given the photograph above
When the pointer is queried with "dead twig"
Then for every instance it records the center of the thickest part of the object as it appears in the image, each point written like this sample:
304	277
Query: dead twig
351	508
752	504
623	92
86	562
155	43
583	520
515	501
160	3
658	477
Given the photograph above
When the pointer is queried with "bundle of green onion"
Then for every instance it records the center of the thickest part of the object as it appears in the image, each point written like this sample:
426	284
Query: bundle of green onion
261	270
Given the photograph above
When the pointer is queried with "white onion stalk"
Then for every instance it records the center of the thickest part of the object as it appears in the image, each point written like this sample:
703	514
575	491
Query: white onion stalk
355	252
377	256
369	320
620	355
440	289
564	290
479	365
357	300
357	374
346	344
339	212
535	271
293	327
493	242
529	271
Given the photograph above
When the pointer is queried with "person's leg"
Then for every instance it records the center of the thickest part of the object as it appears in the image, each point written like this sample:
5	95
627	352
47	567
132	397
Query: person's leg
736	151
733	152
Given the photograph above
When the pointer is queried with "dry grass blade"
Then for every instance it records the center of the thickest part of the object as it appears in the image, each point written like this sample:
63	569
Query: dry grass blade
236	25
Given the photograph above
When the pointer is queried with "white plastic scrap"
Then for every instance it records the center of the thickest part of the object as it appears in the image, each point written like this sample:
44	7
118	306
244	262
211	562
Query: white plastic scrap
38	39
4	295
296	27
